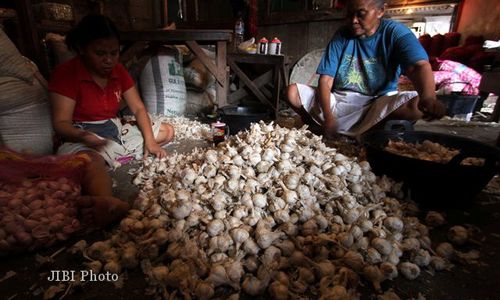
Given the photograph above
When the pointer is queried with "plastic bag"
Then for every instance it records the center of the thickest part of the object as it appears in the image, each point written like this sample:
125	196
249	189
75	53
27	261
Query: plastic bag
38	199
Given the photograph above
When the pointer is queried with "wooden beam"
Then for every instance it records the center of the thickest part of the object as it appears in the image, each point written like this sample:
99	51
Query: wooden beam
29	31
201	36
255	90
205	60
222	71
259	82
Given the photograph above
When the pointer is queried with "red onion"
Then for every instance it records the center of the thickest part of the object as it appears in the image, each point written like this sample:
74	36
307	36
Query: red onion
61	236
23	238
25	211
54	185
27	183
12	227
36	204
42	184
41	231
59	194
15	203
66	188
30	224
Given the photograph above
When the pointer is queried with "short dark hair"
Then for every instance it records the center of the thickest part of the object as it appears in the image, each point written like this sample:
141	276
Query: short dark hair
90	28
377	3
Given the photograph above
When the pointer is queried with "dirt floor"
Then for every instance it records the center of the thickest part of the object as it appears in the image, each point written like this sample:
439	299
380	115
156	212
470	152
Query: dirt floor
476	279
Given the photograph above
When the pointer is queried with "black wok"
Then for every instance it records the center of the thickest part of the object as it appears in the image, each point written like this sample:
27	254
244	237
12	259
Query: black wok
429	183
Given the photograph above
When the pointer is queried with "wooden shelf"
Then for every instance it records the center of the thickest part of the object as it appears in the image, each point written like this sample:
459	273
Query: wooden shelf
54	26
7	13
276	18
202	36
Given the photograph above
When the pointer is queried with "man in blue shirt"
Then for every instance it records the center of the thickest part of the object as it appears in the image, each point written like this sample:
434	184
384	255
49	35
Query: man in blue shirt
359	73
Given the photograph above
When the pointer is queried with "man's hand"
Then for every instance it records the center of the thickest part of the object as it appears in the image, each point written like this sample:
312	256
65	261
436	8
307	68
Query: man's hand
330	127
155	149
432	108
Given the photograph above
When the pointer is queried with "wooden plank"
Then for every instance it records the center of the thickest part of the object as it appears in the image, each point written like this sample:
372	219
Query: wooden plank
255	90
277	88
257	58
202	36
31	43
205	60
259	82
222	72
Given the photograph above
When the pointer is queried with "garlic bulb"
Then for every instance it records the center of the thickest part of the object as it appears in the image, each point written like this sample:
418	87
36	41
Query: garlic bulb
457	235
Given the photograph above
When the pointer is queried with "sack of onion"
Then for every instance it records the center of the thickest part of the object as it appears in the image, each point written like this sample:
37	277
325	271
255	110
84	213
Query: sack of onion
38	198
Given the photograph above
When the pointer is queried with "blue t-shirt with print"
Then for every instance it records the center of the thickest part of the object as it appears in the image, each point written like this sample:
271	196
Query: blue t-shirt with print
371	65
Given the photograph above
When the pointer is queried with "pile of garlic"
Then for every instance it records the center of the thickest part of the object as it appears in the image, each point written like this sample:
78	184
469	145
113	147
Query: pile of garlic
186	129
270	211
37	213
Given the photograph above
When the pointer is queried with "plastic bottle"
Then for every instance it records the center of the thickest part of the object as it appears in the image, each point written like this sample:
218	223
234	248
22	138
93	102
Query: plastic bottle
275	47
239	30
263	45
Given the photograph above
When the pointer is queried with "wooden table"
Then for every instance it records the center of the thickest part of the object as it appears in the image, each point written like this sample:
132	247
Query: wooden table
192	38
277	75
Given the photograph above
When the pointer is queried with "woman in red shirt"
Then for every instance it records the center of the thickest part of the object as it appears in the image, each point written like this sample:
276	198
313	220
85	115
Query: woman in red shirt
85	93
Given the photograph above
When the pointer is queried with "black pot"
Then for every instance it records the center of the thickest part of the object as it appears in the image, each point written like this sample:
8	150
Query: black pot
239	118
432	184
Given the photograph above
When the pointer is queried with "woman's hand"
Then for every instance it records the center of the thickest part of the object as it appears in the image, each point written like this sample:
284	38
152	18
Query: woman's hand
431	108
330	127
92	140
155	149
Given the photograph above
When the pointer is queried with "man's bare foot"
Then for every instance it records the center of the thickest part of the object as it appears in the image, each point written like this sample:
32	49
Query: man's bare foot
101	210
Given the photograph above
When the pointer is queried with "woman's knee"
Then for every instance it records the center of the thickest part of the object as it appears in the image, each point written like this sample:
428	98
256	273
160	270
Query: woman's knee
408	111
292	95
96	160
166	134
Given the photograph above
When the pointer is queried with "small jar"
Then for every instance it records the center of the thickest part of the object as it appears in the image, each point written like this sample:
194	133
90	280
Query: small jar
263	45
275	47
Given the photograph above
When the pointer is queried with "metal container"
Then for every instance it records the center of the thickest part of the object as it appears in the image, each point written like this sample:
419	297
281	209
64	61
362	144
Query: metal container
432	184
240	117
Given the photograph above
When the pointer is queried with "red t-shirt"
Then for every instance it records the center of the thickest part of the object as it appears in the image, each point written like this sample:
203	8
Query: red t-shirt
93	103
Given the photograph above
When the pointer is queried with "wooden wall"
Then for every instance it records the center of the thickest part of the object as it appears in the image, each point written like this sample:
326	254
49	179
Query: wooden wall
480	17
300	38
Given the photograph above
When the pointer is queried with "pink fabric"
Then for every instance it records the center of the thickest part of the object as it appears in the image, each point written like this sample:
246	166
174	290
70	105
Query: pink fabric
465	74
455	82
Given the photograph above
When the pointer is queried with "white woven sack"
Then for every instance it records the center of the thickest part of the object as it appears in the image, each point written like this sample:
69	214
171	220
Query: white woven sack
25	121
162	84
12	63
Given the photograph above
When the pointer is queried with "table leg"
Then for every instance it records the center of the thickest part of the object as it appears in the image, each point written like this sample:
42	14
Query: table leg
218	70
277	89
255	90
495	116
222	70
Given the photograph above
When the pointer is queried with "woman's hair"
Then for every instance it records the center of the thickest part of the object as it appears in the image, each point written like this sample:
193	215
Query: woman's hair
379	3
90	28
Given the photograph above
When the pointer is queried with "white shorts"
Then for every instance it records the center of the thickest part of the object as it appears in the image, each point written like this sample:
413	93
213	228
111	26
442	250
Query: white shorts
115	153
355	112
